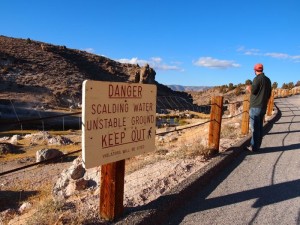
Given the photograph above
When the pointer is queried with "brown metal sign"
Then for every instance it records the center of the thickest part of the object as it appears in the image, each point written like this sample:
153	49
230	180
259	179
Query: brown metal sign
118	121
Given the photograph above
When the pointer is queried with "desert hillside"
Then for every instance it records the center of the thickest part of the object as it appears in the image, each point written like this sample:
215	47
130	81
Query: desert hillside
34	72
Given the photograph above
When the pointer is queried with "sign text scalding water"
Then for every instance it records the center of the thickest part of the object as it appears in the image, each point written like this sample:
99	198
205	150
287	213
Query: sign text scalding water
118	121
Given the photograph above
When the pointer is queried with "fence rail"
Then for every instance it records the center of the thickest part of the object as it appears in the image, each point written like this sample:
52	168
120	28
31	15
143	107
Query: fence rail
158	133
130	178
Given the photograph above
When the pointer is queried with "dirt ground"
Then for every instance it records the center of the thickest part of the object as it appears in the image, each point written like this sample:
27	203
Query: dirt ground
177	155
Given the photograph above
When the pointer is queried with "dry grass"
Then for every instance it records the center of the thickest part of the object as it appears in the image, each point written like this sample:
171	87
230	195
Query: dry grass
229	131
200	115
47	212
27	149
62	212
186	144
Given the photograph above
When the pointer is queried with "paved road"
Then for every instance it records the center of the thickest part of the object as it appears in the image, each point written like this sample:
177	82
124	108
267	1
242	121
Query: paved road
260	188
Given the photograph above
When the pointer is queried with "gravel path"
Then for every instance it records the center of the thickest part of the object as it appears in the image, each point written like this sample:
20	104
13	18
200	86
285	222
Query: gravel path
262	188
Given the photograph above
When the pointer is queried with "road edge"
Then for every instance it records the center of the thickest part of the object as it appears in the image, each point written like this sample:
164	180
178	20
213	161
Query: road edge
156	211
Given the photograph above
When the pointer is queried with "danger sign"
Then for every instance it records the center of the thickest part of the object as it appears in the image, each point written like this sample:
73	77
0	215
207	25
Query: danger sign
118	121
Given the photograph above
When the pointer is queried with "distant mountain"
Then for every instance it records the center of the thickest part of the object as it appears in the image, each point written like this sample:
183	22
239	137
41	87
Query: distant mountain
188	88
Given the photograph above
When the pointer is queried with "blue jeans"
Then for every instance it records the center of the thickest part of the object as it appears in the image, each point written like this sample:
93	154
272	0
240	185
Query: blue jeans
256	126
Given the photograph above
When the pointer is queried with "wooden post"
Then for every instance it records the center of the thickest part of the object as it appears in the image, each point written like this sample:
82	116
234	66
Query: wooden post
112	190
246	115
215	122
270	104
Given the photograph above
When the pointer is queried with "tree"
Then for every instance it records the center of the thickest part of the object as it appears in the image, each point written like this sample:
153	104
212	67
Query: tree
291	85
298	83
237	90
284	86
274	85
223	89
248	82
230	86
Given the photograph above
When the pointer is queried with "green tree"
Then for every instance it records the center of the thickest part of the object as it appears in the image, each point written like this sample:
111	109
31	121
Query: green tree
223	89
284	86
291	85
274	85
230	86
248	82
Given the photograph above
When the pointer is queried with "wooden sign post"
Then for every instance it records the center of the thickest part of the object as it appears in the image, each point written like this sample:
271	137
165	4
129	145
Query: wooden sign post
246	115
112	190
118	122
215	122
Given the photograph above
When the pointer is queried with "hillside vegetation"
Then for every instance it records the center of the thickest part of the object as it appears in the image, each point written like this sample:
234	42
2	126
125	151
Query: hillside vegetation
35	72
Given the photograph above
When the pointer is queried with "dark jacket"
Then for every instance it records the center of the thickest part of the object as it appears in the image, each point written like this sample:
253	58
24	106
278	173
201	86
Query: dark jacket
260	91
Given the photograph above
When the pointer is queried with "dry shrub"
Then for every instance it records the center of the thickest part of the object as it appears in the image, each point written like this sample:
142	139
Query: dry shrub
47	213
60	212
229	131
138	162
80	215
188	151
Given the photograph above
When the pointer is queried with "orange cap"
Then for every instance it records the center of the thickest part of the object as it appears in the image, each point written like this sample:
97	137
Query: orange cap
259	67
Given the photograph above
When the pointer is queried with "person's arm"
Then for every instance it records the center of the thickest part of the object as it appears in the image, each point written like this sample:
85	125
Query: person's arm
270	88
255	86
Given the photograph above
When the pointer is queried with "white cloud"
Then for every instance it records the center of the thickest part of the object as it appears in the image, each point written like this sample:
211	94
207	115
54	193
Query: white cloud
156	59
296	57
155	62
90	50
252	51
276	55
132	61
210	62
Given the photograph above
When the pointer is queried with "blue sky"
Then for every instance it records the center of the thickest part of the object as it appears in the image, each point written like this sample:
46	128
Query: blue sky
191	42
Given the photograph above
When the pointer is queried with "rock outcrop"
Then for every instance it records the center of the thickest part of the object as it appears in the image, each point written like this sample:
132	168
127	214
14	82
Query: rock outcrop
75	178
53	75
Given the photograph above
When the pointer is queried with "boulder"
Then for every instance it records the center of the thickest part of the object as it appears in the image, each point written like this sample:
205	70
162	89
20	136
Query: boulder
46	154
75	178
76	185
76	171
6	148
14	139
61	184
59	140
25	207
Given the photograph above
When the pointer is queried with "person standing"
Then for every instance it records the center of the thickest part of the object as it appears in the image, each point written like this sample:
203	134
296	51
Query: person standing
260	93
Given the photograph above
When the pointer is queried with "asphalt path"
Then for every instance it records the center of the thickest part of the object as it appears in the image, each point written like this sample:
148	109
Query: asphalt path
257	188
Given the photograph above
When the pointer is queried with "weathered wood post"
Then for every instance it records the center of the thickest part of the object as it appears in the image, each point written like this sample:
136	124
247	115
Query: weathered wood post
270	104
112	190
245	115
215	122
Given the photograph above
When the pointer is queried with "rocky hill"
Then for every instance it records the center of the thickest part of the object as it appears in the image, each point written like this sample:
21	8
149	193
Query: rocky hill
35	73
